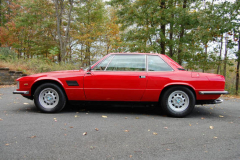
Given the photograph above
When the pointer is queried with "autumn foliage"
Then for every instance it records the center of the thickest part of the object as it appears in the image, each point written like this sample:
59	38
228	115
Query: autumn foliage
201	35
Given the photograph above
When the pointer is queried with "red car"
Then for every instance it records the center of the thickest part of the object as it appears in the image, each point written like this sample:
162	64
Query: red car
121	77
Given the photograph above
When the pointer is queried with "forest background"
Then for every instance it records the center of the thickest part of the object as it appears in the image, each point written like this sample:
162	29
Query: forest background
45	35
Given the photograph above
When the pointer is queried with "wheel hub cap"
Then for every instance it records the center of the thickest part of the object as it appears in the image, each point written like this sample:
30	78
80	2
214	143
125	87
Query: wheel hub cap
178	101
48	98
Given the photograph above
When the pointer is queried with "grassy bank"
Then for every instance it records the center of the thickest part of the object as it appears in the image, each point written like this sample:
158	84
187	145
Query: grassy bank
32	66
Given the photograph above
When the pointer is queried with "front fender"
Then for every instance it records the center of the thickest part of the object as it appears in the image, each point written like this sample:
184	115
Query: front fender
47	79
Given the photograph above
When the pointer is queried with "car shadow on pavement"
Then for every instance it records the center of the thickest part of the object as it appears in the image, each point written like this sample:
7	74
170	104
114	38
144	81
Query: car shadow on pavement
199	111
116	109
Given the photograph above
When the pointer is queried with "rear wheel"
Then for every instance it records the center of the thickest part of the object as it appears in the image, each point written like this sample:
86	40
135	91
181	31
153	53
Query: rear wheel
178	101
49	98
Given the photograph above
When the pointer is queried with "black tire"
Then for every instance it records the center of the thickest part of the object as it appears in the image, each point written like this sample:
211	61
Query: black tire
49	98
178	101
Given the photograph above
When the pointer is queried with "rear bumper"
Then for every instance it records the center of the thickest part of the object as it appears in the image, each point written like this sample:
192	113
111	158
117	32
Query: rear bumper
20	92
213	92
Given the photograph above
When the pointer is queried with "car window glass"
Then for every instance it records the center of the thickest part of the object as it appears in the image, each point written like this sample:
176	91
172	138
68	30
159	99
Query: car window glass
155	63
102	65
127	63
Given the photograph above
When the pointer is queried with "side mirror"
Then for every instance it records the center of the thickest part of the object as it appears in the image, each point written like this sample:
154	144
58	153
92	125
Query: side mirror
89	70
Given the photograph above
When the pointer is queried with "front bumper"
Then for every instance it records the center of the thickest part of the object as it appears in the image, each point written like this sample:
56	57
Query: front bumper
20	92
213	92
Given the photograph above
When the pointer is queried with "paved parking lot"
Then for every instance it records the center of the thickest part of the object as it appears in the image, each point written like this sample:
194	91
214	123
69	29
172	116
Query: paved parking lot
117	132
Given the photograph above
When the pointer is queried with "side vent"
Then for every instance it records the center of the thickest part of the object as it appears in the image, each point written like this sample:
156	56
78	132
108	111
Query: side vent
72	83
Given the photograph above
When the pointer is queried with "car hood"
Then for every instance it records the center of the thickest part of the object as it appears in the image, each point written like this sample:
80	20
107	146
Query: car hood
56	74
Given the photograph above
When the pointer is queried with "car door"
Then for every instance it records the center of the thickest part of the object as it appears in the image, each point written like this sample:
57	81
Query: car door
159	75
117	78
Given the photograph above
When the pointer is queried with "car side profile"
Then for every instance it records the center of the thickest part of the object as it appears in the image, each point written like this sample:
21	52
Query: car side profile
125	77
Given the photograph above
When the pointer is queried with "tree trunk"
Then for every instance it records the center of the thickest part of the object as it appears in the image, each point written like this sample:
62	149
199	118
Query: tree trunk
237	74
220	57
67	30
59	17
8	11
181	37
238	64
1	19
108	46
88	54
171	31
163	27
225	59
87	59
171	36
203	70
62	40
82	53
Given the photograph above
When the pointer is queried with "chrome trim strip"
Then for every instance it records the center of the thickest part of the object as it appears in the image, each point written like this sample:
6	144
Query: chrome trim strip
213	92
109	63
20	92
97	63
146	62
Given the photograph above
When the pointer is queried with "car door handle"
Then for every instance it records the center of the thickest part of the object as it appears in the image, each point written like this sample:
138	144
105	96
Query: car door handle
142	76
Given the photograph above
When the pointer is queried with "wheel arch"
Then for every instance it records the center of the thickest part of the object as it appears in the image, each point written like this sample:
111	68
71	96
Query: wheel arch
175	85
40	82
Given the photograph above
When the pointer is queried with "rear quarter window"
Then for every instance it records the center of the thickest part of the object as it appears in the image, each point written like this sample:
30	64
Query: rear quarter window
155	63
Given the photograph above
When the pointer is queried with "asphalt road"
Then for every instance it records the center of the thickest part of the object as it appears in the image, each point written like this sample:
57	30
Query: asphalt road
210	132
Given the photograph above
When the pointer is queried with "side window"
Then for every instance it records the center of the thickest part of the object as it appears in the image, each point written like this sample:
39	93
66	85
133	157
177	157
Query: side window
127	63
102	65
155	63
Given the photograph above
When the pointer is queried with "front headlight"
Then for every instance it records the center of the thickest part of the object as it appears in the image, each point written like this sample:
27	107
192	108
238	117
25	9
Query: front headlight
17	84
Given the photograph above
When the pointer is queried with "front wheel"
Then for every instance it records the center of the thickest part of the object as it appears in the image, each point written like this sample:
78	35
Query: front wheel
49	98
178	101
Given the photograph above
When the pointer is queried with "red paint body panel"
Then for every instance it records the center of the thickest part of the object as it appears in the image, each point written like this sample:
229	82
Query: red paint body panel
114	86
127	85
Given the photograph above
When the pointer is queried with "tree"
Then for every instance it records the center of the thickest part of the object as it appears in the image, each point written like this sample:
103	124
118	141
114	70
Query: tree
29	28
236	11
90	27
112	33
63	33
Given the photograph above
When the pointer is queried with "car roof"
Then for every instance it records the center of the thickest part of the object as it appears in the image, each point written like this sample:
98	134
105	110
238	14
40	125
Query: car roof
136	53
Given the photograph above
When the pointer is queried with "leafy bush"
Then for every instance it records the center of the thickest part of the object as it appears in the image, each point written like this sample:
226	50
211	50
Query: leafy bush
7	54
